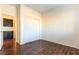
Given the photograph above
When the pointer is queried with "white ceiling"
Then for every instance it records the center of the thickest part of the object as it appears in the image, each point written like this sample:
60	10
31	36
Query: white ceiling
47	7
42	7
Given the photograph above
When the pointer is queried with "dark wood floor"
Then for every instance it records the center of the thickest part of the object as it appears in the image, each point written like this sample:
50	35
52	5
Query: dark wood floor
40	47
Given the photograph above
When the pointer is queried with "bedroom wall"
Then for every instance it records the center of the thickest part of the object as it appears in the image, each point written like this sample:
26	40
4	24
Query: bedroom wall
61	25
30	21
1	41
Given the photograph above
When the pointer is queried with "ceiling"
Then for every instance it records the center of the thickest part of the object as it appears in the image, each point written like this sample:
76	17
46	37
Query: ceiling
47	7
42	7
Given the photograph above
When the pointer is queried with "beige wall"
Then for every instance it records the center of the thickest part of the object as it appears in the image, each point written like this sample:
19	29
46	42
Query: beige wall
30	21
1	41
61	26
8	9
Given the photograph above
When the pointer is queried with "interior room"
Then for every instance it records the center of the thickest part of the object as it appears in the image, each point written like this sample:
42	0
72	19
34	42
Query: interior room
39	29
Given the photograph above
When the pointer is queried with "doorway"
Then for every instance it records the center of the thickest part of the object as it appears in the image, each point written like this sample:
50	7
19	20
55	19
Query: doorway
9	32
8	39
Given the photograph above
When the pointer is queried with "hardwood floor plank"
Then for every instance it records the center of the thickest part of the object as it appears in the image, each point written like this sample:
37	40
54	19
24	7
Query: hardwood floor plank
40	47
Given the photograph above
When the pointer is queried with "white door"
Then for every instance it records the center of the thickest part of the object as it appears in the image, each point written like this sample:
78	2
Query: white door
1	33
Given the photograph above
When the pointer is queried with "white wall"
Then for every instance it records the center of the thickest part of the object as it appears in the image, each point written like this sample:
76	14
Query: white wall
30	21
1	41
61	26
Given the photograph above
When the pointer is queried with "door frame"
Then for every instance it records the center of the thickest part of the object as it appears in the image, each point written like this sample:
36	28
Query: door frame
14	28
